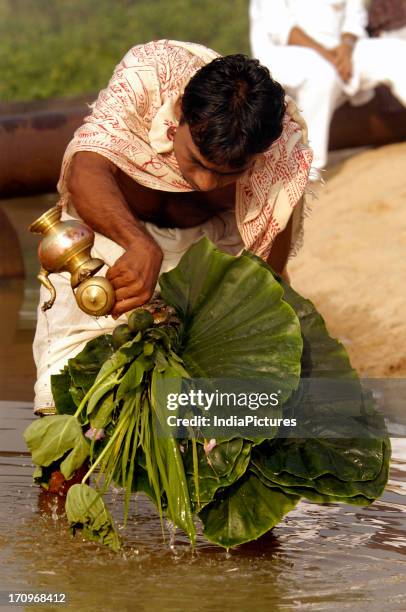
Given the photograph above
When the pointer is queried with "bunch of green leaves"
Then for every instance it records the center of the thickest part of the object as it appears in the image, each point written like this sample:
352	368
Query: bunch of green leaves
238	320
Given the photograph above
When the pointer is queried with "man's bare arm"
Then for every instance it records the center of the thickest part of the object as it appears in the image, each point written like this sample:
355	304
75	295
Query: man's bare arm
279	254
99	201
298	37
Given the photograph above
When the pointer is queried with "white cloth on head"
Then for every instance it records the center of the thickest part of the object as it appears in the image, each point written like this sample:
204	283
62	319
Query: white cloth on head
311	80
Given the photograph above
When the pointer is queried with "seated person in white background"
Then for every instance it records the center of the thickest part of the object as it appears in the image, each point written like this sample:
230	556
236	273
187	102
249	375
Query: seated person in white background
320	52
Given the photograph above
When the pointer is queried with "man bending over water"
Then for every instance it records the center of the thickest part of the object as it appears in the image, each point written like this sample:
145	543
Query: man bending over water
182	144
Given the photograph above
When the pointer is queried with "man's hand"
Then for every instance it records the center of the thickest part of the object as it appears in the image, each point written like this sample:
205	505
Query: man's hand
340	57
343	61
329	55
134	275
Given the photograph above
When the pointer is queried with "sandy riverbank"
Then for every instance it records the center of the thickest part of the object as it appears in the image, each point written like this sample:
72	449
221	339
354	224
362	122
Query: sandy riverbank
353	264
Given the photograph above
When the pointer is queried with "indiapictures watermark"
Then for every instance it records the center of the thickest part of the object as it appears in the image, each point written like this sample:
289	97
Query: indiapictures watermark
218	401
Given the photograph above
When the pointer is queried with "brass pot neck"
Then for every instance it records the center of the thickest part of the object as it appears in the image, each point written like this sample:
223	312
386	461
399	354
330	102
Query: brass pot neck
46	221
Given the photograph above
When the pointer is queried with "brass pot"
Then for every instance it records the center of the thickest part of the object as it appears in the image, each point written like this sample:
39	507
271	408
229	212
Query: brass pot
66	247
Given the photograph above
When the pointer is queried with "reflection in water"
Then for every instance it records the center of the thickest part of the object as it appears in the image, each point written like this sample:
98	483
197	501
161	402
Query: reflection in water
18	302
329	557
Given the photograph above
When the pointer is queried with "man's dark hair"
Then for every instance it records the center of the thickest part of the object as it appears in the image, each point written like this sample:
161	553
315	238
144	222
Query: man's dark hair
234	109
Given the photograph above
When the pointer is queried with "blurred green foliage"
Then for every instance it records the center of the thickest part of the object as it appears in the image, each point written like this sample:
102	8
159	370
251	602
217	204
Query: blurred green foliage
53	48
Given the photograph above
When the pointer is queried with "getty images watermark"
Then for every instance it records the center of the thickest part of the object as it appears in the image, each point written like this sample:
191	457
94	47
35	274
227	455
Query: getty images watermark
263	408
222	412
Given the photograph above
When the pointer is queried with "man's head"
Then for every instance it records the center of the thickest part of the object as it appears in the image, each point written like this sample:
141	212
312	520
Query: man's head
231	111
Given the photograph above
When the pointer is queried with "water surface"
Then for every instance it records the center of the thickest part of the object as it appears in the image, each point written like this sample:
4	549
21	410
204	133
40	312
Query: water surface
332	557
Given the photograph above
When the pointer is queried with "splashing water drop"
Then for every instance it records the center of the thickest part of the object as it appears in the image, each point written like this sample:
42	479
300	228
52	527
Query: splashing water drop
171	528
54	510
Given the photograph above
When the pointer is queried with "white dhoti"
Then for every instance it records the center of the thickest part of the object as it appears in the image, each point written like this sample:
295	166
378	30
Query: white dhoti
317	89
63	330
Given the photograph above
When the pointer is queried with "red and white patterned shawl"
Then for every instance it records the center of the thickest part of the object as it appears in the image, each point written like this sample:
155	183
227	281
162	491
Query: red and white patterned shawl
130	125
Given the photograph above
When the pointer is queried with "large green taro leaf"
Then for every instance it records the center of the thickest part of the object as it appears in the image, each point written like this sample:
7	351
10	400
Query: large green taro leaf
245	511
218	462
323	356
209	485
85	366
308	459
309	493
328	488
362	450
236	324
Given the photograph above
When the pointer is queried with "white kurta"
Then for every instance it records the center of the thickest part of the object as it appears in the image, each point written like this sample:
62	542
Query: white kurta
310	79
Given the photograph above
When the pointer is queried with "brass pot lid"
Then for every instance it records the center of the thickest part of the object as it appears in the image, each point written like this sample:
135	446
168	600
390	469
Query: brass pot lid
95	296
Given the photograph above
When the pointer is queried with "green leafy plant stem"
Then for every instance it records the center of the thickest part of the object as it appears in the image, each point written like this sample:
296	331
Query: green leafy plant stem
93	389
105	450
